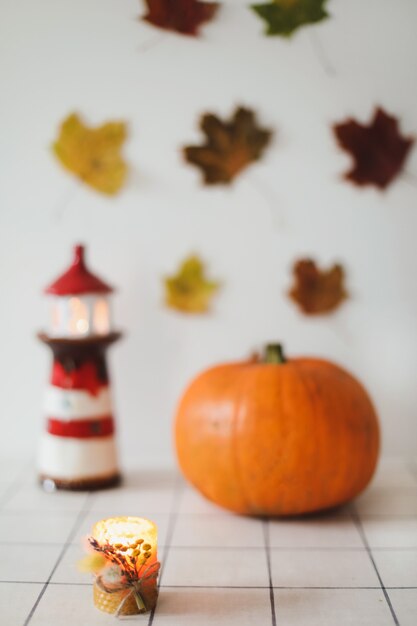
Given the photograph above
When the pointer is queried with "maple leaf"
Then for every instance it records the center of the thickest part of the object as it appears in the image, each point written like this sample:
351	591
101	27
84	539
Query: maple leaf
93	154
182	16
379	150
317	291
189	290
230	146
283	17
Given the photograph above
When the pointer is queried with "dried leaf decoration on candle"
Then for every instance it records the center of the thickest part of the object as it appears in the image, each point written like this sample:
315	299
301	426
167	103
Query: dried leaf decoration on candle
317	291
93	154
182	16
379	150
189	290
283	17
230	146
122	568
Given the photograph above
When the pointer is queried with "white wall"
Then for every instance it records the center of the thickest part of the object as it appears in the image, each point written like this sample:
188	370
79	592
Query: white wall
57	56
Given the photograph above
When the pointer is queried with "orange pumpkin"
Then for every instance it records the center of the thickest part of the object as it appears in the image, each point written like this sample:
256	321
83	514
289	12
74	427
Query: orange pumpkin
277	437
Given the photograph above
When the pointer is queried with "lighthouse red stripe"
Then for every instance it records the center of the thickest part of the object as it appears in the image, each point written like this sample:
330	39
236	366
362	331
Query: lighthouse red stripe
81	429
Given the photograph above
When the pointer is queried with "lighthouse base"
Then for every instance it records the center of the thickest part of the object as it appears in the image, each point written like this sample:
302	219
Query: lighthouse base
77	464
90	484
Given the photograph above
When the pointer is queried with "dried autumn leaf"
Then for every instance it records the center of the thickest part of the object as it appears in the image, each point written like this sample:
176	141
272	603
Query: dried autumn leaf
283	17
317	291
229	147
92	563
182	16
189	290
379	150
93	154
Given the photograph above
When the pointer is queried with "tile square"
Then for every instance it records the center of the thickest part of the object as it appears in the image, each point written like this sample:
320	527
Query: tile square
332	607
67	570
382	532
318	568
211	567
33	498
387	500
12	469
147	502
224	607
193	502
218	531
36	527
397	568
404	602
64	605
27	563
315	532
16	601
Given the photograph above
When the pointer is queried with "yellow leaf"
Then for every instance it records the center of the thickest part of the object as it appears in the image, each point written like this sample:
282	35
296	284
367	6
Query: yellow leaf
92	563
93	154
189	290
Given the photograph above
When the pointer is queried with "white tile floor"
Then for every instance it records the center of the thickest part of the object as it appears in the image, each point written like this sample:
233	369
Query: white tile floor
353	567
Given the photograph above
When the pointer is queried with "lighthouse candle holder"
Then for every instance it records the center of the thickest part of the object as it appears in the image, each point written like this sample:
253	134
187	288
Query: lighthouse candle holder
78	450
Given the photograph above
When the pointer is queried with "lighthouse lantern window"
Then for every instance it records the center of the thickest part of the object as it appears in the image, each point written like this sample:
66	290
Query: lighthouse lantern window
78	317
101	316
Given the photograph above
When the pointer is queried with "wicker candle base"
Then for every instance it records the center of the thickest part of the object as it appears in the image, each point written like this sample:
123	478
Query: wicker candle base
110	602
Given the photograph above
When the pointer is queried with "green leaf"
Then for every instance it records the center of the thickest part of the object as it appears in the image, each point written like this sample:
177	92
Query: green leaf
283	17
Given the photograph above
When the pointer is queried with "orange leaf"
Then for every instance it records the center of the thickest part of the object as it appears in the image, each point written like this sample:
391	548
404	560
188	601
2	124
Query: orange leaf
229	147
317	291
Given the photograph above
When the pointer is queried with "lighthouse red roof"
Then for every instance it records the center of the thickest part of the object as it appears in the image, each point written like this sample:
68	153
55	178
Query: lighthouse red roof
78	279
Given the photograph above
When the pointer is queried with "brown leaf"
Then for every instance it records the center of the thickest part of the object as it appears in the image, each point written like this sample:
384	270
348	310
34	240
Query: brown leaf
379	150
229	147
182	16
317	291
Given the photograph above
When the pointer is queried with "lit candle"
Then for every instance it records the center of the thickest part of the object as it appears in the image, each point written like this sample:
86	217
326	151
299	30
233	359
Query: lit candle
126	578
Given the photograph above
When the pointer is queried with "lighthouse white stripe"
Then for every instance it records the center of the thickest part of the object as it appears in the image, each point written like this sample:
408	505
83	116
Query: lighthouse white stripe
71	459
71	404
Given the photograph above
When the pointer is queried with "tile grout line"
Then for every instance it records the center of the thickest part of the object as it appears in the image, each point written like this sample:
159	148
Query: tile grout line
359	526
265	527
176	498
288	588
238	548
80	517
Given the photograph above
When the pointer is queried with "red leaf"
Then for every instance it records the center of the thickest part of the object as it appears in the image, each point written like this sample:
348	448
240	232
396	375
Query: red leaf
379	150
183	16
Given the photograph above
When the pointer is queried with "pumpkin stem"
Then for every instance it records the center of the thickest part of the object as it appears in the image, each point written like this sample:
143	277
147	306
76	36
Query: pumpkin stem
274	353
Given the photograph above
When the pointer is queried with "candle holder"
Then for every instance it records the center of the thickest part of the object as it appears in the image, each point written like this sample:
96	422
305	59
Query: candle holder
78	450
125	565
